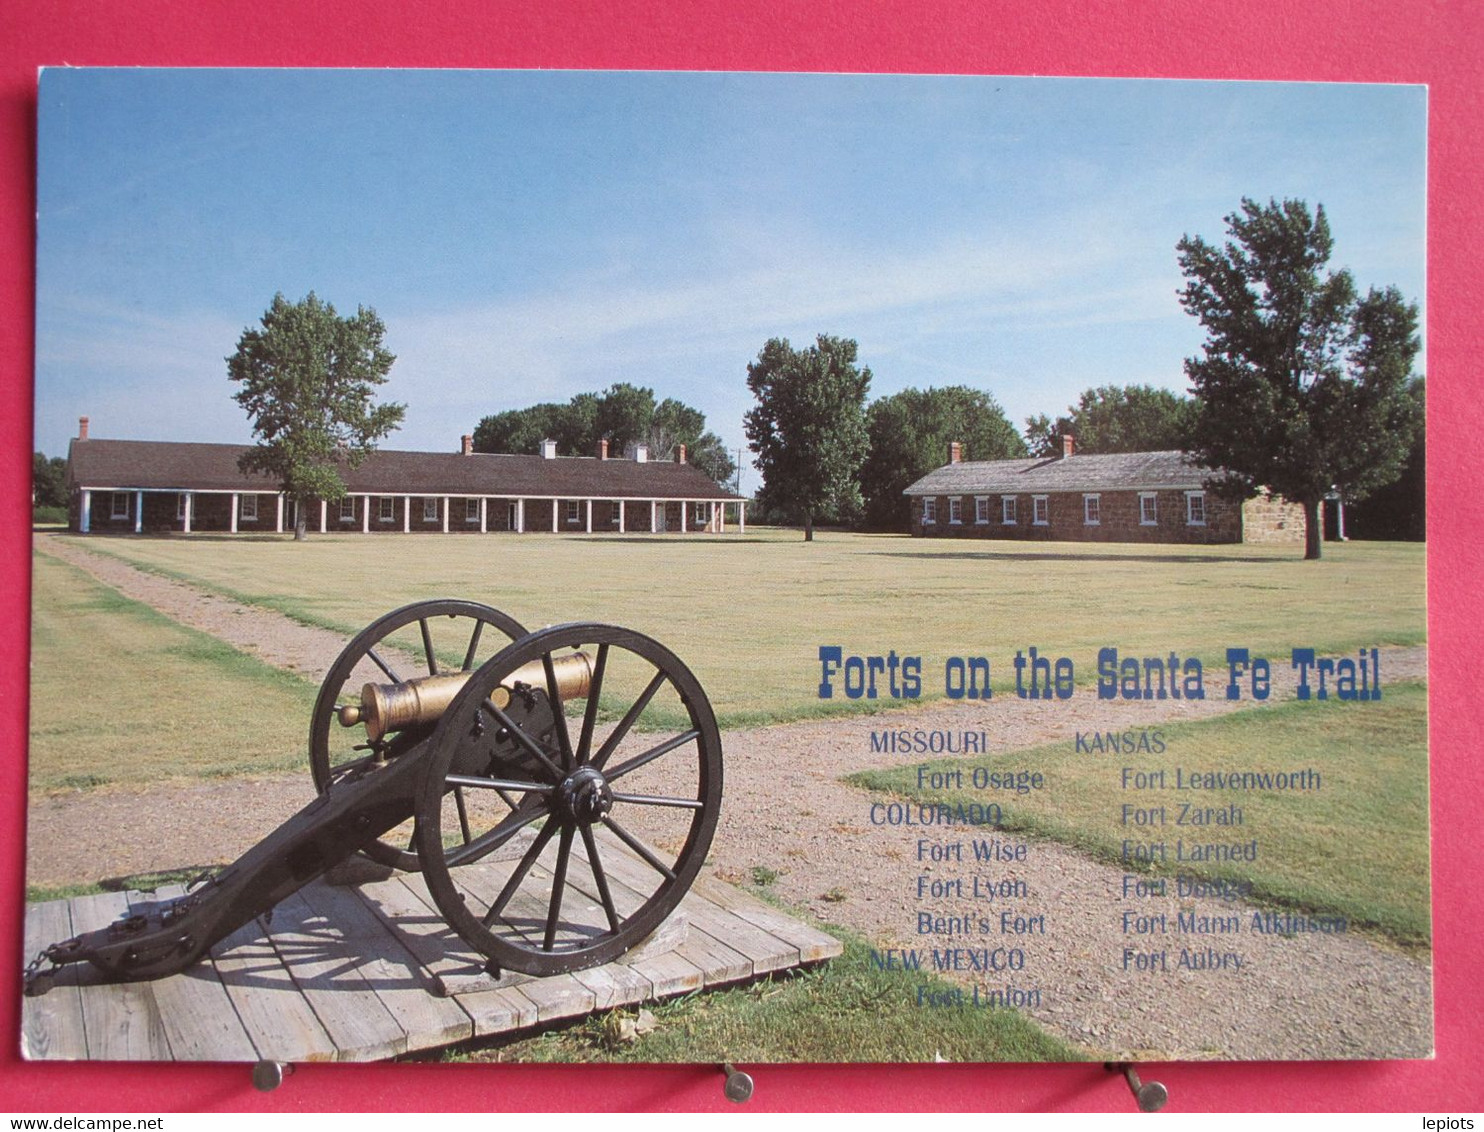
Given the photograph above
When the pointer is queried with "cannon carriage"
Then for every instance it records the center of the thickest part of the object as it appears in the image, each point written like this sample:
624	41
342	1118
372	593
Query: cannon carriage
444	735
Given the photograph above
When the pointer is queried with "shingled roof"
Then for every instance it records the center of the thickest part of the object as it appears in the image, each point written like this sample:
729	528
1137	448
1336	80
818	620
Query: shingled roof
1120	471
174	466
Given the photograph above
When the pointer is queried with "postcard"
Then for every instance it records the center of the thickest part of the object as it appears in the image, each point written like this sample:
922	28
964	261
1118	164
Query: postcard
727	567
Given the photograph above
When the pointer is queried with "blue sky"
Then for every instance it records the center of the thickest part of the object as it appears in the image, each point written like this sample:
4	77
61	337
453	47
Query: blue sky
529	235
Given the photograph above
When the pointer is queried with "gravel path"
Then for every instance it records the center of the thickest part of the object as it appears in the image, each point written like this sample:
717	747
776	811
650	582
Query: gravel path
1305	996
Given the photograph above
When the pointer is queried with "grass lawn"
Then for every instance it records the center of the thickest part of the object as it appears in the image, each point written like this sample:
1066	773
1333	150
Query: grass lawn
844	1010
749	614
121	694
1357	846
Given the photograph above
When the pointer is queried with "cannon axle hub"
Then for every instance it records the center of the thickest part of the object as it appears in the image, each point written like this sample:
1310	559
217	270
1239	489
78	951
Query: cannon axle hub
584	795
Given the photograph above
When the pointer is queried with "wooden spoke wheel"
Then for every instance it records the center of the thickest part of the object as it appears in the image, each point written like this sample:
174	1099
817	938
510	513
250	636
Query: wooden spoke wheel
421	639
593	818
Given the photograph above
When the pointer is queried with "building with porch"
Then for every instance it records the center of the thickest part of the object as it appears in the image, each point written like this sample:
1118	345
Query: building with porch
138	486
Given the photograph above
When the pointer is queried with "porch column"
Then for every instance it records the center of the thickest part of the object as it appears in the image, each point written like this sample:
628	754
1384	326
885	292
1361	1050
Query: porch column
741	516
554	510
138	512
589	516
190	500
233	527
483	515
651	517
445	514
520	516
685	506
620	505
1340	519
324	516
721	517
85	514
278	523
406	513
365	514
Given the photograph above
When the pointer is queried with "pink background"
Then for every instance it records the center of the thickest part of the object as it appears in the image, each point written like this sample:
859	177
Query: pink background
1414	41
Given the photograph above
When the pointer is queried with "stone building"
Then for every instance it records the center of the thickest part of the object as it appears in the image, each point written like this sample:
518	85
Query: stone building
134	486
1118	497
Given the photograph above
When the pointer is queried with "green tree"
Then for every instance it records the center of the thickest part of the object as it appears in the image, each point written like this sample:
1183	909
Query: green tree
809	427
909	435
1112	418
308	380
622	414
1303	387
48	481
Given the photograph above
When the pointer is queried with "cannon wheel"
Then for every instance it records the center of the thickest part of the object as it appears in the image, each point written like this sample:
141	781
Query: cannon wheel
378	652
606	833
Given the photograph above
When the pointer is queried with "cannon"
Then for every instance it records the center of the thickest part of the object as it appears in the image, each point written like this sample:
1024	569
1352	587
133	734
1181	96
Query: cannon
445	735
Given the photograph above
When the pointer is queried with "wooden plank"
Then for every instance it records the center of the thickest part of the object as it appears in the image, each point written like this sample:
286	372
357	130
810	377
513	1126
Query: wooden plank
671	973
52	1023
390	970
615	984
813	945
200	1021
559	996
718	962
315	954
275	1015
493	1007
121	1020
764	951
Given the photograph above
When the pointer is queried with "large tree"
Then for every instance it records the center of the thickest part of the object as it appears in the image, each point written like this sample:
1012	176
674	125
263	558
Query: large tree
910	432
1113	418
1302	385
48	481
809	427
622	414
308	379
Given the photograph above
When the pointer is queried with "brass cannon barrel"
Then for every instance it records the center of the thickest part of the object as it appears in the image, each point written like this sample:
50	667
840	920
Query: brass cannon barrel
392	707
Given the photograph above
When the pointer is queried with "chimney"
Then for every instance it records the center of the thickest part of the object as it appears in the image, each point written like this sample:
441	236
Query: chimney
82	428
468	445
955	452
680	453
641	453
603	448
548	449
1068	442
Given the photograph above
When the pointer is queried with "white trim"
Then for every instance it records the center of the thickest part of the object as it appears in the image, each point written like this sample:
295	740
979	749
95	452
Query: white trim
1042	504
1009	510
955	510
247	507
1092	509
981	510
348	500
113	506
1153	519
1190	498
929	510
386	509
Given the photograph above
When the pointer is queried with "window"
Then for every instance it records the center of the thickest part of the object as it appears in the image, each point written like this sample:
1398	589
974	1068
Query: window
955	510
1040	510
471	510
247	508
430	510
120	508
1091	513
981	508
1007	510
929	510
572	509
387	509
615	513
1195	508
347	510
1148	509
701	513
183	505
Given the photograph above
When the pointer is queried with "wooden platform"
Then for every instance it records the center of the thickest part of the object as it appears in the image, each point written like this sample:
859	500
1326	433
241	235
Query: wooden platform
368	972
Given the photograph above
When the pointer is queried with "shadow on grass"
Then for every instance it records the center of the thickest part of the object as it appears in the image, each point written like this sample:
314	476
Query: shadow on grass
1101	556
